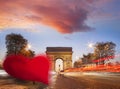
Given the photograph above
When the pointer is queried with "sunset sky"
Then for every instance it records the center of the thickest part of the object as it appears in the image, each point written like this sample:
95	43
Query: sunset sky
61	23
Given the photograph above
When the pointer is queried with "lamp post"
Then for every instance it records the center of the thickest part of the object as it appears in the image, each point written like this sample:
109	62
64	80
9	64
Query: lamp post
91	45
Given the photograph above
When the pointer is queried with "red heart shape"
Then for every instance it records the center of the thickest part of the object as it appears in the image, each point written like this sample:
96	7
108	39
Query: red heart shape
35	69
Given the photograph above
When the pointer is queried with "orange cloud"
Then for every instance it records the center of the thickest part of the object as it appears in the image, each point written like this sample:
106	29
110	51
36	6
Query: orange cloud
66	16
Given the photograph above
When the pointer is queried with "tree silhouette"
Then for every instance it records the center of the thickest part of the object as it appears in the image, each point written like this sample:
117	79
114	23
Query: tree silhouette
104	49
17	44
87	59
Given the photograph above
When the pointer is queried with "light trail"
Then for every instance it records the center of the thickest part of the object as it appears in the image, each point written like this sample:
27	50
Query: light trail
100	68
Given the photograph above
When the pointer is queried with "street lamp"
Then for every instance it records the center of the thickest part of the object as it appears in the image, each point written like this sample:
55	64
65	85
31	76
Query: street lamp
28	47
90	45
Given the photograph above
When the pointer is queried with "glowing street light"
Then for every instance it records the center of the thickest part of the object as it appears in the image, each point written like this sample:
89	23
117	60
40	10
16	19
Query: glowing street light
90	45
28	46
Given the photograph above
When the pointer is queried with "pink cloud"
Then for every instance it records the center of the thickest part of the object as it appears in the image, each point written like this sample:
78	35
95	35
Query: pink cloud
65	16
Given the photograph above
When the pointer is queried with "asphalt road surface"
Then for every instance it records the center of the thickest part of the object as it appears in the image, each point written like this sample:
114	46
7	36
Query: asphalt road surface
73	80
87	81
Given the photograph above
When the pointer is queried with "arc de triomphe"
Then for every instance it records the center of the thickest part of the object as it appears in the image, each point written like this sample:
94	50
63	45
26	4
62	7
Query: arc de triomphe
63	53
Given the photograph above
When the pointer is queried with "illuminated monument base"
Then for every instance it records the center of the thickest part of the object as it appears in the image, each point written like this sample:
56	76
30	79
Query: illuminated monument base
61	57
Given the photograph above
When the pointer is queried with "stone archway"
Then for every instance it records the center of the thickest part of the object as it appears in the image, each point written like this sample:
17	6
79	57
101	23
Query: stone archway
58	65
64	53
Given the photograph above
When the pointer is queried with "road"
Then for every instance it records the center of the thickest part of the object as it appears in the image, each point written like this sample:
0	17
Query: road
87	81
73	80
